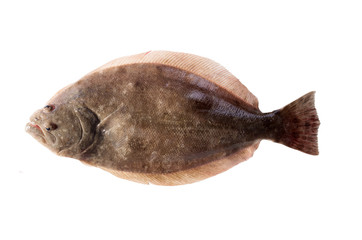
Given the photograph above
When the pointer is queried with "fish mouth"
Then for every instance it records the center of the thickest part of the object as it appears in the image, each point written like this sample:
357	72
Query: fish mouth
36	131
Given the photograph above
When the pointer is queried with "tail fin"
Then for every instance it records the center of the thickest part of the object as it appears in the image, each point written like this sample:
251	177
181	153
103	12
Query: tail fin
300	121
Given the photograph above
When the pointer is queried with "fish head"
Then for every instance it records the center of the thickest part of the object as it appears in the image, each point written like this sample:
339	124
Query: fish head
64	129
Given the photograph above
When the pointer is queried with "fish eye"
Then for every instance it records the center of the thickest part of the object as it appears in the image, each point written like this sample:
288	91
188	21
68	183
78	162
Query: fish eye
52	126
49	108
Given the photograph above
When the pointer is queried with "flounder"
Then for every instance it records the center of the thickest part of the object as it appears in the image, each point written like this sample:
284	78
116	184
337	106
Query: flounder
167	118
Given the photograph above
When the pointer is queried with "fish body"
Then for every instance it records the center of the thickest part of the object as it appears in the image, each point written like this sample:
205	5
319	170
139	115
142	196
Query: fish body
167	118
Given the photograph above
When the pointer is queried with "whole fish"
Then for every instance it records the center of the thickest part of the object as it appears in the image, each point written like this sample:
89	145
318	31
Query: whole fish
167	118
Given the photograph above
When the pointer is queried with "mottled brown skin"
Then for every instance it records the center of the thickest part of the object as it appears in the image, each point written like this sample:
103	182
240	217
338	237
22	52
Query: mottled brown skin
152	118
167	118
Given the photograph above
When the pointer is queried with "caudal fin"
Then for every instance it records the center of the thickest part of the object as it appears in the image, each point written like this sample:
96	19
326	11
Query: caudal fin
300	121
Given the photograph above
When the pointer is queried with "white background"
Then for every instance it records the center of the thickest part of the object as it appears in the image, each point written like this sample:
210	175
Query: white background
279	49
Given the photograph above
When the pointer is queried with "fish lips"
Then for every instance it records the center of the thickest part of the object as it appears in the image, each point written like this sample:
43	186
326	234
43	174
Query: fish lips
35	131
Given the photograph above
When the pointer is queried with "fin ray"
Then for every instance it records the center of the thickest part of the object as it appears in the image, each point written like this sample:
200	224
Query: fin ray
301	125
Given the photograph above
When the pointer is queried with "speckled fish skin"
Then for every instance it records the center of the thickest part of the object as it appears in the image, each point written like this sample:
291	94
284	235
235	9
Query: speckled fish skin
152	122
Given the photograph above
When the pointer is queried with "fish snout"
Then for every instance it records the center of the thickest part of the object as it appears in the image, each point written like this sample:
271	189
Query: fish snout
39	117
35	124
36	117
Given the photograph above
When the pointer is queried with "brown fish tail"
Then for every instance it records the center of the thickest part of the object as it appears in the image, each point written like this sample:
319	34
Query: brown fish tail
300	125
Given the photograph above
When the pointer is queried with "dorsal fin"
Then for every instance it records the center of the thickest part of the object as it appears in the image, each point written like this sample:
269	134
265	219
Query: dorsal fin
197	65
190	175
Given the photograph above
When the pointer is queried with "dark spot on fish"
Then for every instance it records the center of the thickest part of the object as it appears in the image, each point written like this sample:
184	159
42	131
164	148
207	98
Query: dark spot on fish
200	101
295	120
137	84
140	85
53	126
120	71
295	134
202	105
